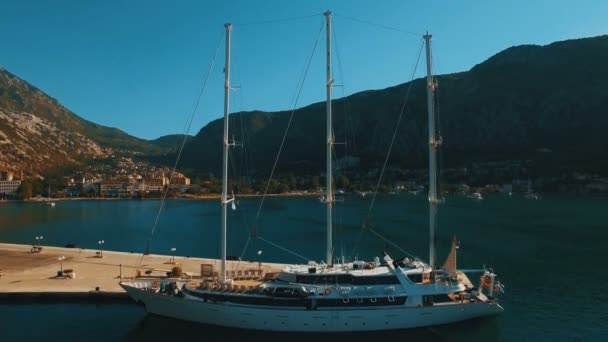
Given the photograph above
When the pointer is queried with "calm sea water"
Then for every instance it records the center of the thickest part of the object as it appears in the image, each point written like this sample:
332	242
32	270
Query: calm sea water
550	254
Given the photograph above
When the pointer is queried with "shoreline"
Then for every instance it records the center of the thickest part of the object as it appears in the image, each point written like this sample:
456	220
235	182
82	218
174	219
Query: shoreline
217	197
185	196
287	194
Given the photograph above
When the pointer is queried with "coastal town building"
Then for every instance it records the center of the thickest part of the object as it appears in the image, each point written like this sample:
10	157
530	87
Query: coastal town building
179	182
8	186
155	185
113	188
8	189
133	186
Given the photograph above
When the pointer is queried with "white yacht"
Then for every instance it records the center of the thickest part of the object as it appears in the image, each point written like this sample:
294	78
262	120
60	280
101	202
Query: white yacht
328	296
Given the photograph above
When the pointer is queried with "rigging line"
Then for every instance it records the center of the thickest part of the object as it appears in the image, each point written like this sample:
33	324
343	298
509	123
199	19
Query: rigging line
242	161
436	81
440	163
239	97
279	20
276	161
243	253
392	243
181	149
234	170
407	95
302	76
237	102
337	49
344	98
386	27
340	69
284	249
334	155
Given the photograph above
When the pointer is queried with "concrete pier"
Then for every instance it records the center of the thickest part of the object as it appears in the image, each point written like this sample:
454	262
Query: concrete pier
26	272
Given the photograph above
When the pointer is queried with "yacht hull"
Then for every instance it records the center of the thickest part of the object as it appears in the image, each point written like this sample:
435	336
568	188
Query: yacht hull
282	319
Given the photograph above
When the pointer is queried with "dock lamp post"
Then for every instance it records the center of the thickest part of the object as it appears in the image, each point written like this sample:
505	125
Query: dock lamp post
61	258
259	261
173	249
101	242
39	239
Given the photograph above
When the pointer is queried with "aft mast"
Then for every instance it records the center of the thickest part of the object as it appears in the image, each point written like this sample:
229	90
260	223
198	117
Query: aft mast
224	198
329	197
434	144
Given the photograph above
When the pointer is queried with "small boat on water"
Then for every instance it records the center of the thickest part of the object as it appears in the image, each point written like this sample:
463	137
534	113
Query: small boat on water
531	195
49	202
476	195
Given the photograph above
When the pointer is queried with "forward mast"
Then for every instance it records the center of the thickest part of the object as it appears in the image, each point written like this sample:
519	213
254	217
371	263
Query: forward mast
226	146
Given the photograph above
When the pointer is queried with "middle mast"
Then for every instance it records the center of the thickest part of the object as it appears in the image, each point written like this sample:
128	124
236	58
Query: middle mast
329	197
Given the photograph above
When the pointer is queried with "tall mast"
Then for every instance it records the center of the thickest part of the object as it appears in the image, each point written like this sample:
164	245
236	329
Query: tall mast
434	143
224	198
329	197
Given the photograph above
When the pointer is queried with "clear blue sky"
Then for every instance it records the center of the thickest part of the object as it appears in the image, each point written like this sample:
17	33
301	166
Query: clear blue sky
138	65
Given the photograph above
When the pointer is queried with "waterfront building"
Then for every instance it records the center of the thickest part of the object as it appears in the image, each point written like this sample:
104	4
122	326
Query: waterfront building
8	186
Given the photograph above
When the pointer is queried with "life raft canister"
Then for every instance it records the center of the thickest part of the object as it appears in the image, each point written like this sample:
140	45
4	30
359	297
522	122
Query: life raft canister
486	281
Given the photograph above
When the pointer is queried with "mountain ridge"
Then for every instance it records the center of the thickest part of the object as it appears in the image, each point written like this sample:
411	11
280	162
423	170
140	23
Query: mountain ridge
522	100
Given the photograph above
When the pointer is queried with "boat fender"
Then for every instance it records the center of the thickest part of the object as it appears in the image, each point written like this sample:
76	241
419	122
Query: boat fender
327	291
155	284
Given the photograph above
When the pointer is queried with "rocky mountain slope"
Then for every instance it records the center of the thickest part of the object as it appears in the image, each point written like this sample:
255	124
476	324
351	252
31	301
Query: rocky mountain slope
547	104
37	133
28	142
